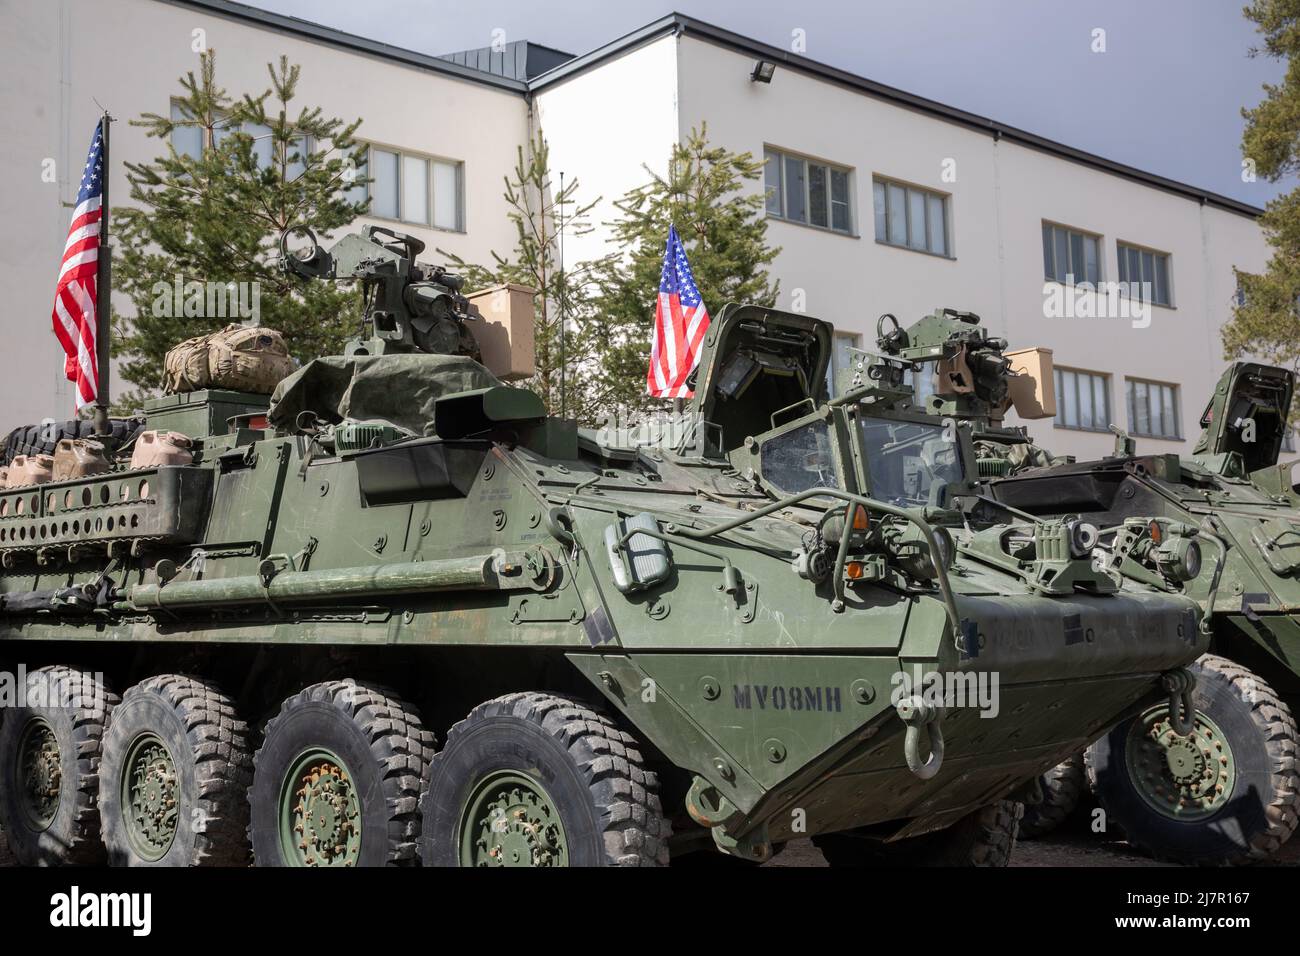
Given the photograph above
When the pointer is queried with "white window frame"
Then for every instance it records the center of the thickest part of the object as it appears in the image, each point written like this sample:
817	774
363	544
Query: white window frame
1059	373
1084	234
944	198
429	160
1130	398
782	155
1121	275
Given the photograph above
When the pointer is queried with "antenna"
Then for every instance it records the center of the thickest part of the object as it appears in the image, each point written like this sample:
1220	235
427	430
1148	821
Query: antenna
563	296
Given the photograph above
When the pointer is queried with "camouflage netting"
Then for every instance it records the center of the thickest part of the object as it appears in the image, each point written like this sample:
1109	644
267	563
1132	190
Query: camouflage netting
397	389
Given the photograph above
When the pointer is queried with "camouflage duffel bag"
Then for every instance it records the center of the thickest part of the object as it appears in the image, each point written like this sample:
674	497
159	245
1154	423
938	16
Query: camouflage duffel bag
238	357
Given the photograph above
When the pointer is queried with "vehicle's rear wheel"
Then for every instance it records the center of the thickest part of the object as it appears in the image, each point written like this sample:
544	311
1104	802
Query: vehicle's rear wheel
536	780
177	762
50	749
985	837
1063	788
1227	794
337	779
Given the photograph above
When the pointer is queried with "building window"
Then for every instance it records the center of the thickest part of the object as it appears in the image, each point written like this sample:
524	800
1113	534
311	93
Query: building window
910	217
187	140
922	382
1146	272
412	188
1082	400
1153	409
806	191
1070	256
841	357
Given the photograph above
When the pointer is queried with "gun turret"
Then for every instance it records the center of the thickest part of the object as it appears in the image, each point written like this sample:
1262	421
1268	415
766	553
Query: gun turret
975	377
409	306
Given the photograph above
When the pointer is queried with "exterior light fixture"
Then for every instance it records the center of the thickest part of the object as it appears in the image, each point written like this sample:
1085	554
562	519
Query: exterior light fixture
763	71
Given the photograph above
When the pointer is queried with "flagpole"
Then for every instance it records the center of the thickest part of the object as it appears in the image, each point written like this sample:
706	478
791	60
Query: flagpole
103	291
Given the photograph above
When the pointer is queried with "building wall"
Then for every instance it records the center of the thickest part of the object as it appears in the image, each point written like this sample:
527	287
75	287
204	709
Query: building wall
1000	197
606	127
128	55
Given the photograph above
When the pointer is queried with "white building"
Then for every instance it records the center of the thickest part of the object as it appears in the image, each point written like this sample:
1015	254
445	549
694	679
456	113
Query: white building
880	201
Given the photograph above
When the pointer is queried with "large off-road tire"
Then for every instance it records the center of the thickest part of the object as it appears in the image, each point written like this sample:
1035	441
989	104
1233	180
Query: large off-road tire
1226	795
985	837
536	780
42	439
50	769
1063	788
176	769
337	779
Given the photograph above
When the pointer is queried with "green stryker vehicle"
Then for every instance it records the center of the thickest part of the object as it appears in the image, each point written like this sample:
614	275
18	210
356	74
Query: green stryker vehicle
399	615
1230	792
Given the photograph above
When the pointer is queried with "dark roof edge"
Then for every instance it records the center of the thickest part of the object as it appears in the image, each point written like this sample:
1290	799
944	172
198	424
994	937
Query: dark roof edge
314	31
681	24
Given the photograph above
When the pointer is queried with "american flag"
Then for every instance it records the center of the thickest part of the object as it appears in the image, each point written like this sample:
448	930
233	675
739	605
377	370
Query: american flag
680	322
76	293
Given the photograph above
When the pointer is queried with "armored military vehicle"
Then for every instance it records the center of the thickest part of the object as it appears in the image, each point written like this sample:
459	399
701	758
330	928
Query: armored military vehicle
397	614
1228	793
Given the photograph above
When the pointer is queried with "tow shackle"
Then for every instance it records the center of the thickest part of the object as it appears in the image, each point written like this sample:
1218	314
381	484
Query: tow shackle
916	713
1179	684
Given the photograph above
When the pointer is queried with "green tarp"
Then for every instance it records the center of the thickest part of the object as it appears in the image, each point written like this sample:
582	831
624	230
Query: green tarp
397	389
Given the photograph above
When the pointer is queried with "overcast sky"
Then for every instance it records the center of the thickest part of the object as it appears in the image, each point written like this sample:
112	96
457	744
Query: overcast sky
1165	96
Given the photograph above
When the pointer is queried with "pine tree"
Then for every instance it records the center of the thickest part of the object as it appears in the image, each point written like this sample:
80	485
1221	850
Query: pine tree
217	218
722	226
1266	319
539	207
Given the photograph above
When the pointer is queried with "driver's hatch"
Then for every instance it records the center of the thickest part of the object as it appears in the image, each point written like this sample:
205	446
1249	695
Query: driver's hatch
756	362
1246	419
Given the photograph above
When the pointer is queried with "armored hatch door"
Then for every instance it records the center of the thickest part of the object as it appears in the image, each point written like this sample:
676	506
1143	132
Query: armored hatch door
1245	420
754	363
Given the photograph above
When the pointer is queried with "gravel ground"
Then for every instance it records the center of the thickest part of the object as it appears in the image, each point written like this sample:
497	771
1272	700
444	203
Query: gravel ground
1073	846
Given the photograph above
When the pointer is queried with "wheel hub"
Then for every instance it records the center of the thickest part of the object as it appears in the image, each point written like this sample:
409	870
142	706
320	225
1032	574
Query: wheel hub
511	821
322	813
1182	778
149	797
40	774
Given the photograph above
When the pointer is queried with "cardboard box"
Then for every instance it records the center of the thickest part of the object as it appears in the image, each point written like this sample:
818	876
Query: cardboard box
1033	390
504	330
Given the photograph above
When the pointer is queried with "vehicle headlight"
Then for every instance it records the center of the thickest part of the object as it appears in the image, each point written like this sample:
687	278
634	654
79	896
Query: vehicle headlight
1083	537
946	548
1178	558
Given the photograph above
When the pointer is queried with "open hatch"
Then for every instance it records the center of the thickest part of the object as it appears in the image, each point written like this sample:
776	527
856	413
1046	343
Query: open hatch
755	363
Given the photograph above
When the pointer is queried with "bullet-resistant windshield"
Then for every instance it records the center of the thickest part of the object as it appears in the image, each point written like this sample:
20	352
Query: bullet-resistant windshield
909	463
800	459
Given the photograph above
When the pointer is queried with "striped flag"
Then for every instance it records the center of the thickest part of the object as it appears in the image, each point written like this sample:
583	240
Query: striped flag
680	323
76	294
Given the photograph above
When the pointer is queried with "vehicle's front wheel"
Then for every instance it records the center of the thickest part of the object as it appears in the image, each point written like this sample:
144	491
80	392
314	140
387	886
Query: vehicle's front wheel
50	747
985	837
1226	794
177	763
536	780
337	779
